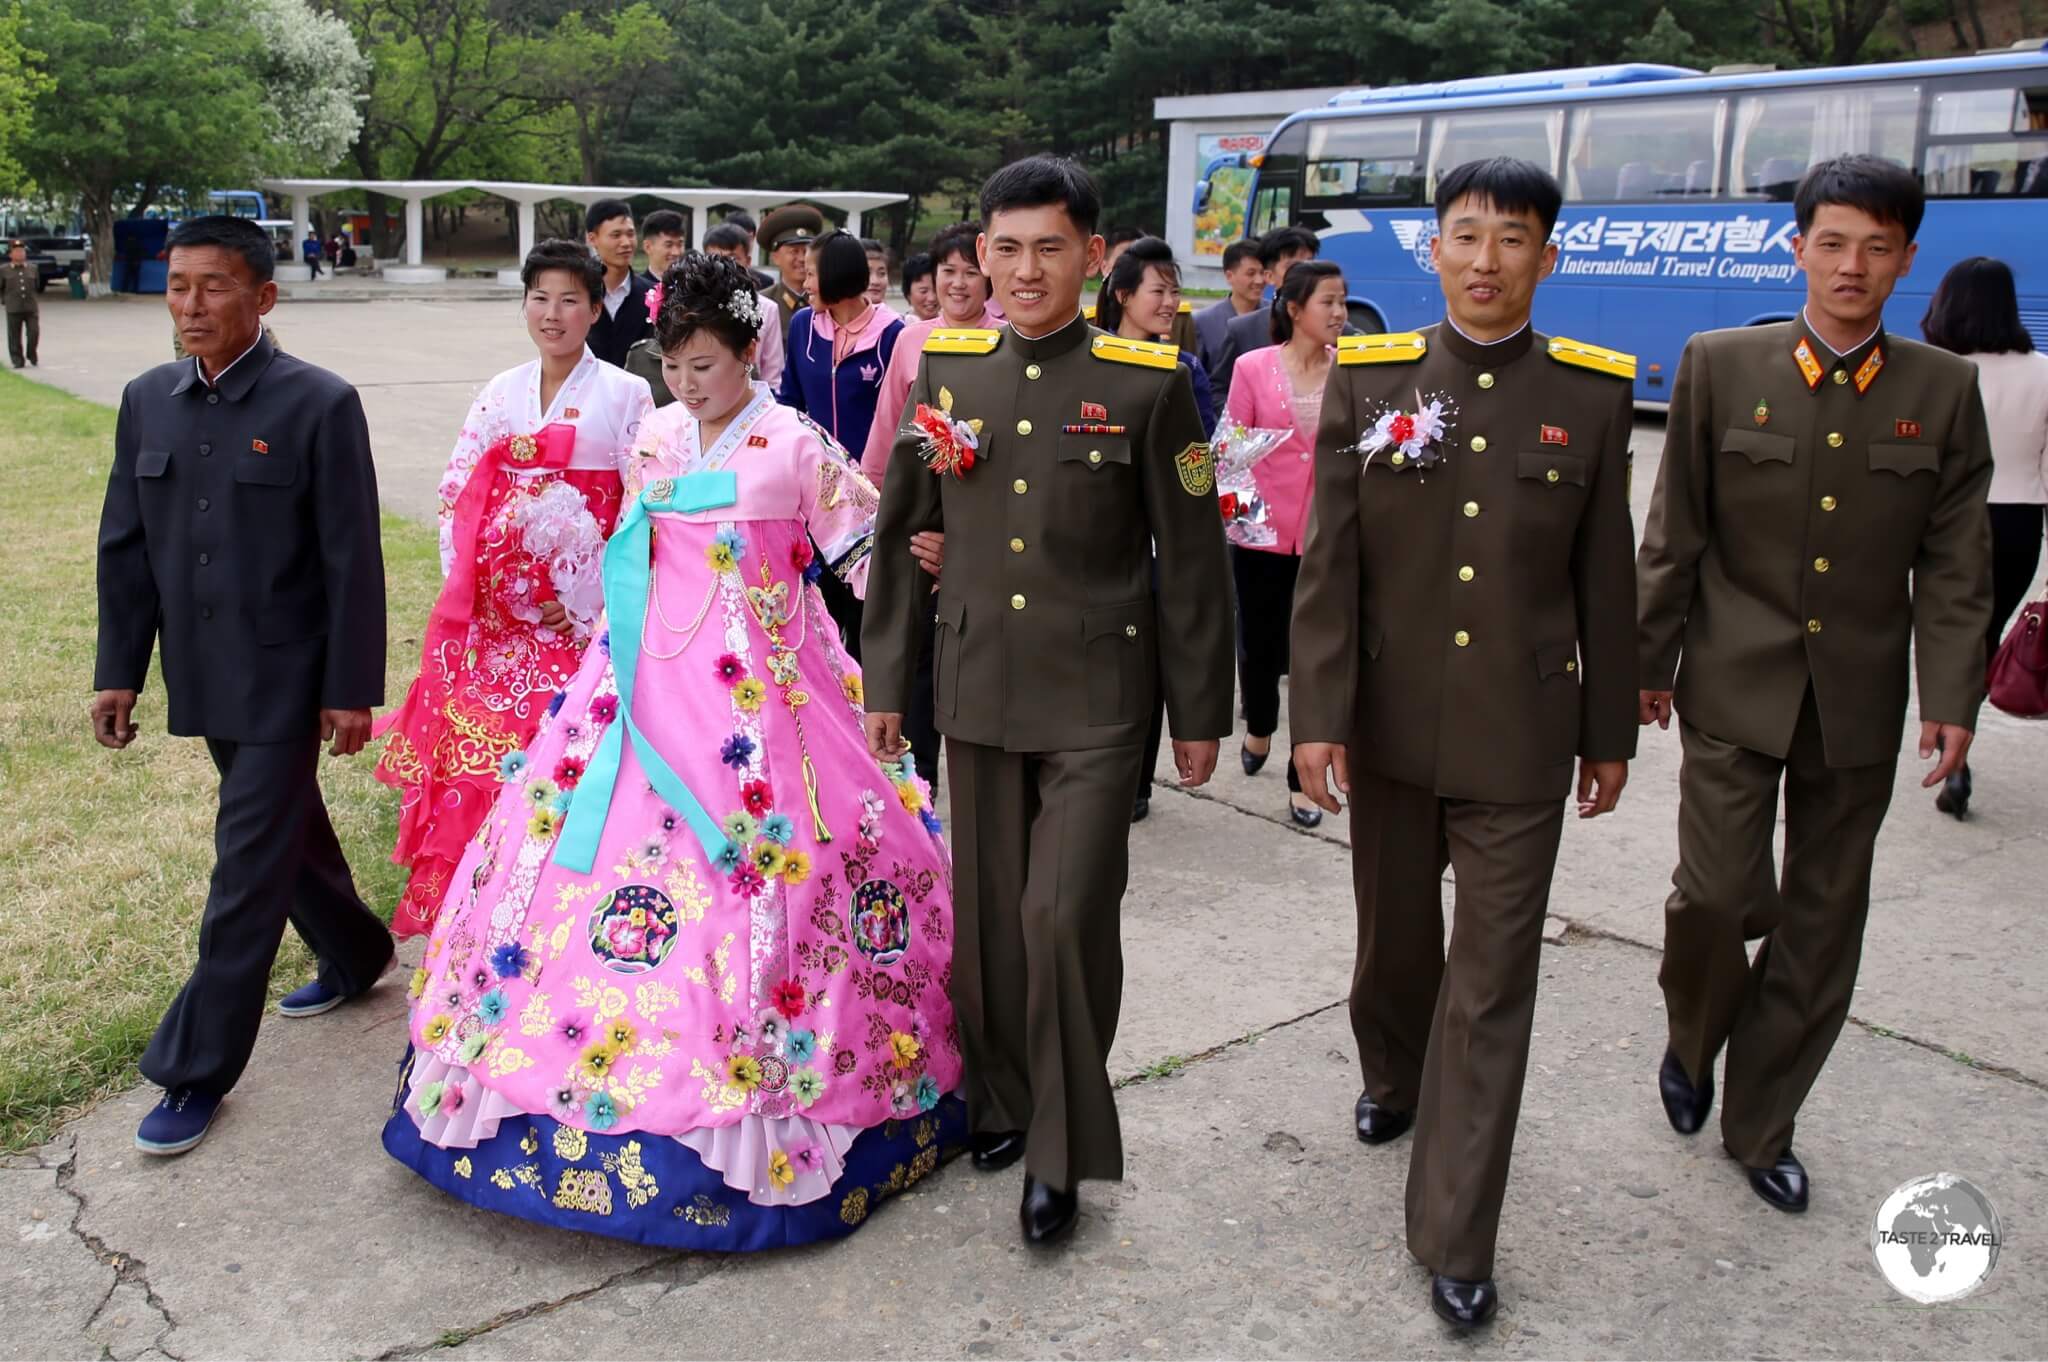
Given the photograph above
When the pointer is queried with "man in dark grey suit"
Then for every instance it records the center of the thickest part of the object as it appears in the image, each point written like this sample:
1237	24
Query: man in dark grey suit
1247	279
1280	250
240	534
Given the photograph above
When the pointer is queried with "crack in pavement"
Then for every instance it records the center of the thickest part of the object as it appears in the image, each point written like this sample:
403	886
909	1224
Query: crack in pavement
128	1270
1173	1064
455	1338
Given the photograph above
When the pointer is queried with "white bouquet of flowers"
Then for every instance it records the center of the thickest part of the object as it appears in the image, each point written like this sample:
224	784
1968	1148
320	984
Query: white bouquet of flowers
558	528
1247	519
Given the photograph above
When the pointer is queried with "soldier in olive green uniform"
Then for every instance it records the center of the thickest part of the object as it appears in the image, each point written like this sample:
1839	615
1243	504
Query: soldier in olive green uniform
1819	513
1086	450
18	298
1463	629
789	232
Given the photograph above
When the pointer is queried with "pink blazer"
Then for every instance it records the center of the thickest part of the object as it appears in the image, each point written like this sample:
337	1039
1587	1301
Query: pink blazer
1262	396
895	394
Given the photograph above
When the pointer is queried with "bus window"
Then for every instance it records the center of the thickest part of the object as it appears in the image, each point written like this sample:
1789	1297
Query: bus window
1778	135
1643	150
1985	142
1458	137
1274	207
1364	163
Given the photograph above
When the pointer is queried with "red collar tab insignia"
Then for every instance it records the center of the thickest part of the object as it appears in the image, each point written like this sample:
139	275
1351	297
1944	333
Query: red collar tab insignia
1555	435
1867	372
261	448
1906	430
1094	411
1762	412
1808	365
757	442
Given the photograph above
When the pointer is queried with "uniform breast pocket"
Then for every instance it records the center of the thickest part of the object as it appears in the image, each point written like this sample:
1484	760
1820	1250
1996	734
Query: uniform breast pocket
1095	452
1905	460
266	470
153	463
1552	469
1116	639
1760	447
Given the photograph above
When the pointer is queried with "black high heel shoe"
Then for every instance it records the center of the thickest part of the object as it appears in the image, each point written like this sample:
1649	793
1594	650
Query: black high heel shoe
1253	762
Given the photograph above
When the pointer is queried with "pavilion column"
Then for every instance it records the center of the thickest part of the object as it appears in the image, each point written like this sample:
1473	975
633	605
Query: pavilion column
415	233
302	218
526	229
853	221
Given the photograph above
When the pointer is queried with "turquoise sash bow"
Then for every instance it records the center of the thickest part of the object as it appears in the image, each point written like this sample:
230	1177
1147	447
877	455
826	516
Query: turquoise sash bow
628	564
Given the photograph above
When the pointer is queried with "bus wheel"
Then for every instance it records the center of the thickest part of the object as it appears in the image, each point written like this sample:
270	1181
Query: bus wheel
1365	319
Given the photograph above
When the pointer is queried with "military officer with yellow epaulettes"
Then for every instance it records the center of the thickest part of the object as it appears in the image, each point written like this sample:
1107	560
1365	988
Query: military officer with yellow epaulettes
1819	517
1463	630
1053	457
18	283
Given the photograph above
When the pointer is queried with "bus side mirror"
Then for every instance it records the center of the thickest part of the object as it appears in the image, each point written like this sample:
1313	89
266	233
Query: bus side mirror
1201	195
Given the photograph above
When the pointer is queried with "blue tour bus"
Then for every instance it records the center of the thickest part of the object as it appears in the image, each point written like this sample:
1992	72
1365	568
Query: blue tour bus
1678	185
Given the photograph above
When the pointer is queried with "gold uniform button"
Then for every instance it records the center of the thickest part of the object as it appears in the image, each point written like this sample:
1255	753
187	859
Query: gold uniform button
1016	546
1016	602
1020	487
1471	509
1461	638
1828	503
1032	371
1130	631
1095	456
1398	459
1023	427
1550	475
1572	665
1478	444
1813	626
1465	574
1486	380
1834	439
1821	565
1841	375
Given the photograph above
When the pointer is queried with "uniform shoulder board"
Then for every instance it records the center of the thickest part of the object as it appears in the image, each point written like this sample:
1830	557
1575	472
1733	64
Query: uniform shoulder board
1594	357
1397	347
1088	312
1186	306
1151	354
961	340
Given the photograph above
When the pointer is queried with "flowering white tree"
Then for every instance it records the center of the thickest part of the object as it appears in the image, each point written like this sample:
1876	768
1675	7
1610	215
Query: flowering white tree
313	79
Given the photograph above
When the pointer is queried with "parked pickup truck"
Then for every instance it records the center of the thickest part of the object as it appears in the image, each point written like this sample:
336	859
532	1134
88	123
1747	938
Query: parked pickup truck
57	256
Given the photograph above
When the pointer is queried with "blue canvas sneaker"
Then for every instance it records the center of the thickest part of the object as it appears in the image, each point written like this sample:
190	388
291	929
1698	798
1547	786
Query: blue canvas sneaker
178	1122
310	1001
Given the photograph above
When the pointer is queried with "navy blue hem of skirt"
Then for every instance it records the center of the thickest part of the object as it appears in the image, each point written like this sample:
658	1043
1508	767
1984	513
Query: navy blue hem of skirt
652	1190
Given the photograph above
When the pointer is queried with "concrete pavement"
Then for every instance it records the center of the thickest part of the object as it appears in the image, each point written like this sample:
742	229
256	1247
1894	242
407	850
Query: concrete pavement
1251	1224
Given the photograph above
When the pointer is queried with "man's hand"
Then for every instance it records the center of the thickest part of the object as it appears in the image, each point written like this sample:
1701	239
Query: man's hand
350	729
1325	771
1653	707
554	615
111	711
1951	740
885	736
1196	761
928	547
1600	785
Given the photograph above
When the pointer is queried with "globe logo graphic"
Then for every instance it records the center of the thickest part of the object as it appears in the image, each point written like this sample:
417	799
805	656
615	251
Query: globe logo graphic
1935	1238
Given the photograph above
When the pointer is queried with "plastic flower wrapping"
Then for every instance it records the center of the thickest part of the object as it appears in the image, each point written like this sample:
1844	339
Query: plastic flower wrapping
558	528
1247	519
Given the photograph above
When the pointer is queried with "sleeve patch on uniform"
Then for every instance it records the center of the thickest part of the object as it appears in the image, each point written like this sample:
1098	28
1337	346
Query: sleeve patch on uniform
1197	469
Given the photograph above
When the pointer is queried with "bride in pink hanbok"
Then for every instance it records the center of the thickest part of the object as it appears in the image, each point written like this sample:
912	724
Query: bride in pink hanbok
690	982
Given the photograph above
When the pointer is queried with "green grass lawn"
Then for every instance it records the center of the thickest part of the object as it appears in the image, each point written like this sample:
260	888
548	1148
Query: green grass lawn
102	883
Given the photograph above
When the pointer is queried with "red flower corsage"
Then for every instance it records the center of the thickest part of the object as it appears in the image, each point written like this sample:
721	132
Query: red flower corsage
949	445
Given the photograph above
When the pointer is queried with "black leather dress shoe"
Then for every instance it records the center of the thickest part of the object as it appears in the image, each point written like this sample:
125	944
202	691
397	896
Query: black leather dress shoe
1783	1184
997	1149
1141	808
1954	798
1686	1103
1378	1124
1310	817
1464	1304
1253	762
1047	1214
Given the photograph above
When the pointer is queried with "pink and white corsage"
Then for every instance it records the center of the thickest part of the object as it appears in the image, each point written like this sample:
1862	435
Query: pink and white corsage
1410	439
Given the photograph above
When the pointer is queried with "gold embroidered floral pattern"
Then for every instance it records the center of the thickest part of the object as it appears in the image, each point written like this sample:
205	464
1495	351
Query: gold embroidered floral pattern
640	1185
854	1208
703	1211
584	1189
530	1143
571	1144
501	1179
463	1168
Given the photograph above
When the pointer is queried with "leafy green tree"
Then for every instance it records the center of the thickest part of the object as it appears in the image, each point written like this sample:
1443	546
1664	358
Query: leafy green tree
597	68
311	72
145	97
20	83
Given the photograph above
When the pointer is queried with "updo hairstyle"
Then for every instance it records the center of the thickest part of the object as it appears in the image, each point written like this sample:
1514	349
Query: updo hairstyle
707	293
